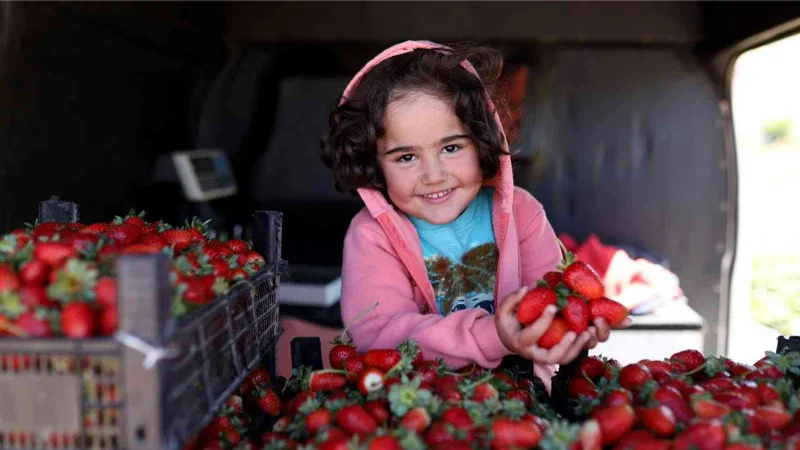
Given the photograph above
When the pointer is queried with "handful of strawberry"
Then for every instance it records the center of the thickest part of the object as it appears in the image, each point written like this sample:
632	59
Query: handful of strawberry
690	401
578	293
59	279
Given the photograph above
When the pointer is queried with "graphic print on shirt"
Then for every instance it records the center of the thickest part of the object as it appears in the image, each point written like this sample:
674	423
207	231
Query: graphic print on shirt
466	284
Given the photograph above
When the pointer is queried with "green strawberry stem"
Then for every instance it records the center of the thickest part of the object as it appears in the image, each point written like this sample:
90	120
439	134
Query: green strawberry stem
568	257
478	382
360	315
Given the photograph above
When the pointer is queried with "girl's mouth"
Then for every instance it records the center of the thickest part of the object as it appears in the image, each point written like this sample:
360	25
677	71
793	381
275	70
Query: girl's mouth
438	197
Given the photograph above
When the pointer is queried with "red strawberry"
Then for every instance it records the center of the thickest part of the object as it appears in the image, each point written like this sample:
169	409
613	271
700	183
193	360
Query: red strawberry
83	241
108	321
181	240
718	384
687	360
581	278
354	365
704	406
386	442
619	396
268	401
483	392
704	435
326	380
641	440
522	395
297	402
683	387
614	422
371	380
153	238
96	228
659	420
54	254
558	328
751	393
659	369
340	352
769	395
734	399
78	320
634	376
611	311
356	420
512	433
773	417
221	268
238	274
458	417
417	420
105	292
553	279
238	246
125	234
384	360
576	314
253	258
317	420
34	325
577	387
197	292
34	272
136	221
672	399
34	296
534	303
376	408
593	367
258	377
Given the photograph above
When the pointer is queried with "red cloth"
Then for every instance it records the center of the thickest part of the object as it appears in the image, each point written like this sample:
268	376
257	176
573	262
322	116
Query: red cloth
628	281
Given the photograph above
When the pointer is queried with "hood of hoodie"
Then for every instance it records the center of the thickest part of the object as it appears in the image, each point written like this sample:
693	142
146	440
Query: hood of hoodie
503	182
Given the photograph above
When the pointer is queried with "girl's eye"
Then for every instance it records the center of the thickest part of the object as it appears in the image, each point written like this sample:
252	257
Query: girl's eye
451	148
406	158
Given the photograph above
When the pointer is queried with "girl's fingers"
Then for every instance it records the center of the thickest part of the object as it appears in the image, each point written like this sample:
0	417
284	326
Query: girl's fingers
573	351
531	334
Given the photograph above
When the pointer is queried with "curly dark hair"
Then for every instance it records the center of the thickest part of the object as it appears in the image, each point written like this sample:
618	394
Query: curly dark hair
349	148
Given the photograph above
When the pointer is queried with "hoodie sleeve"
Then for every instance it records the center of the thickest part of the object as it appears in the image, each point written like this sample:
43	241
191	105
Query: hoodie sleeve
539	251
372	272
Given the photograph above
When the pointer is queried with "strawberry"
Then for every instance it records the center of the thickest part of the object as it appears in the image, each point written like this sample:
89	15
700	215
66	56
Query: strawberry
581	278
33	272
555	332
417	420
268	401
354	365
371	380
522	395
253	258
136	221
512	433
96	228
458	417
34	297
704	435
78	320
385	442
54	254
84	241
238	246
238	274
682	386
105	292
751	393
377	409
107	322
317	420
659	420
614	422
734	399
773	417
484	392
659	369
356	420
576	314
704	406
687	360
577	387
592	367
326	380
180	240
641	440
769	395
9	281
634	376
340	351
718	384
384	360
552	279
534	303
619	396
197	292
672	399
609	310
34	325
257	377
153	238
294	404
125	234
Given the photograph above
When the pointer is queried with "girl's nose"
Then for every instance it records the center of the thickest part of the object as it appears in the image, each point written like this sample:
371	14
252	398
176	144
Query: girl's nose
434	173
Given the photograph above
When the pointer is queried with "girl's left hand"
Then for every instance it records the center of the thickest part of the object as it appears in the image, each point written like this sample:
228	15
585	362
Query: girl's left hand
601	331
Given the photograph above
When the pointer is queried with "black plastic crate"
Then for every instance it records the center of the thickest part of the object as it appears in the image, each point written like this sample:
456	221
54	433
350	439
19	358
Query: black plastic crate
105	393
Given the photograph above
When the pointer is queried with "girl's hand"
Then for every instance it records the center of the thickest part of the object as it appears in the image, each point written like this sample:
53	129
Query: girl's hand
522	341
600	331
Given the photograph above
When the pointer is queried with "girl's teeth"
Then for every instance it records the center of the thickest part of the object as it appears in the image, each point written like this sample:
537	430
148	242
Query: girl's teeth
439	194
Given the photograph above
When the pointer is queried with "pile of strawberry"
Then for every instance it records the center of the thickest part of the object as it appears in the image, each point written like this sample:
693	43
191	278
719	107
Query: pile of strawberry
691	402
59	279
578	293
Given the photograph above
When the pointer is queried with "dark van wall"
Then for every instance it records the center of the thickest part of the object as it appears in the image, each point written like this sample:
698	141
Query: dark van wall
90	94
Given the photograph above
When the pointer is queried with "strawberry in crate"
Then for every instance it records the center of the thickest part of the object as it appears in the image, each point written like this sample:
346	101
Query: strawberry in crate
690	401
59	279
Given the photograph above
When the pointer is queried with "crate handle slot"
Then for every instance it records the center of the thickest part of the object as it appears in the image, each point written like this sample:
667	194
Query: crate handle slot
152	354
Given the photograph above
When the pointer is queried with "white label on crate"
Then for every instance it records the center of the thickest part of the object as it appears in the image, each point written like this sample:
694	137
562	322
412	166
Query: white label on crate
39	402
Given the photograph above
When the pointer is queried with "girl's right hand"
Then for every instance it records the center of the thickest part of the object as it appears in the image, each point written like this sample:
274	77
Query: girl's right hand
522	340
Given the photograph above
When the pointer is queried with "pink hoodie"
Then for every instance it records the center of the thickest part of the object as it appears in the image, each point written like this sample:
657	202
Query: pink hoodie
383	263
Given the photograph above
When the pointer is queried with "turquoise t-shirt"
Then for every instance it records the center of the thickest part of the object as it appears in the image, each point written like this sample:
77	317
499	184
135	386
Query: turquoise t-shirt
461	257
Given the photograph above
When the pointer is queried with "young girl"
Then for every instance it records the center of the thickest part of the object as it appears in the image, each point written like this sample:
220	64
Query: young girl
446	245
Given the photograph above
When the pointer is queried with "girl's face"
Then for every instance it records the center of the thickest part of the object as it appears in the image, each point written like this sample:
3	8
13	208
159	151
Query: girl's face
430	164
